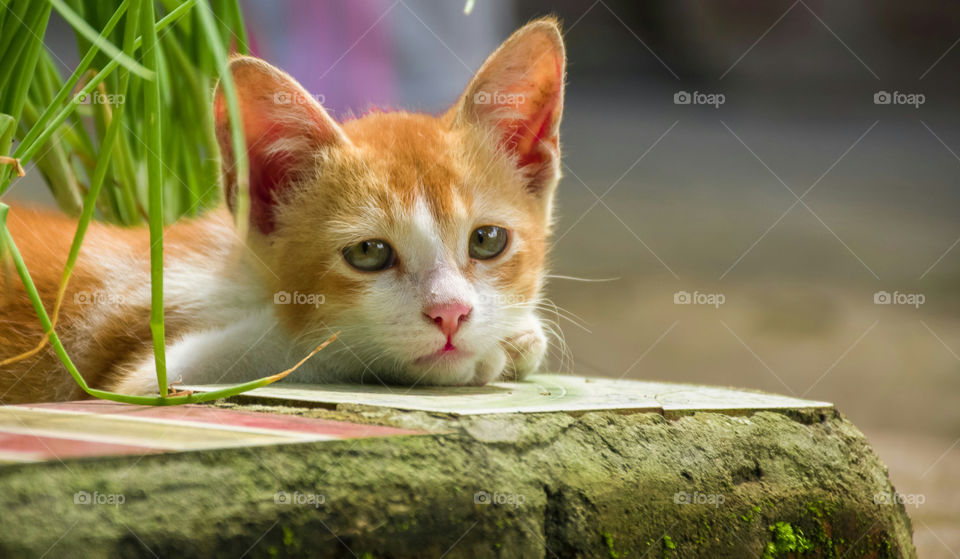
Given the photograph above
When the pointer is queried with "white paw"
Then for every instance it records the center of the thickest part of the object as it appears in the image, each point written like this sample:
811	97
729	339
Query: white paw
140	380
525	353
489	368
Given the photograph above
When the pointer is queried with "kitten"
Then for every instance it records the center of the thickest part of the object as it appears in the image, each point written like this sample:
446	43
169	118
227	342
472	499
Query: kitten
422	239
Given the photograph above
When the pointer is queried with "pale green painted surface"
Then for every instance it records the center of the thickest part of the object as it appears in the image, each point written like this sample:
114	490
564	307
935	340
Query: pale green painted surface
539	393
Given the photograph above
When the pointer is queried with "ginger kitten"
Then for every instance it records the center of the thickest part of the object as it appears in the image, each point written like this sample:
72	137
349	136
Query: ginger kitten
422	239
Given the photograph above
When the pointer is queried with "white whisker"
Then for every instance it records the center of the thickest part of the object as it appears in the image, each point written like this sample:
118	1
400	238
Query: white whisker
574	278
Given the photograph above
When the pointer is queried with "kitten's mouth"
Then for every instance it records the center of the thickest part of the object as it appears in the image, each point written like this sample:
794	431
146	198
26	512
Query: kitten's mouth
447	354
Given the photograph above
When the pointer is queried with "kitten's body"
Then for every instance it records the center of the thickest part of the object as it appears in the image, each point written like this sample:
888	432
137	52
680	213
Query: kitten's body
237	310
104	320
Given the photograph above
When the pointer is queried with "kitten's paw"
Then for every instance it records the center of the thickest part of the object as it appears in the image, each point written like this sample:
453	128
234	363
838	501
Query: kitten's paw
489	368
525	353
139	380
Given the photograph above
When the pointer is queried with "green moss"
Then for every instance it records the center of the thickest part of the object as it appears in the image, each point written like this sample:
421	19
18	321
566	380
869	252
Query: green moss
608	540
820	511
291	543
751	515
668	546
786	539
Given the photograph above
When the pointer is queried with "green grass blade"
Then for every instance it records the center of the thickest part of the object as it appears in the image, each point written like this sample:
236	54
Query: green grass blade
89	33
237	141
239	29
153	117
8	127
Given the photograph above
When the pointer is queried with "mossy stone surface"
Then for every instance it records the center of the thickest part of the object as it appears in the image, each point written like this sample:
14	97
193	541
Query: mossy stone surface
600	484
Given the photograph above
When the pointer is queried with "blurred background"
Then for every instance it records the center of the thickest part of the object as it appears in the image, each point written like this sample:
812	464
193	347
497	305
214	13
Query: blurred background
794	163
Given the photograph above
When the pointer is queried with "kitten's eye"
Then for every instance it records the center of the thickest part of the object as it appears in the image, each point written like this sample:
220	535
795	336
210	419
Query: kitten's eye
370	256
487	241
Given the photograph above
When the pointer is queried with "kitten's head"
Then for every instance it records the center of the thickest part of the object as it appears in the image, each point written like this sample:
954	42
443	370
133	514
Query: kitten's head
422	238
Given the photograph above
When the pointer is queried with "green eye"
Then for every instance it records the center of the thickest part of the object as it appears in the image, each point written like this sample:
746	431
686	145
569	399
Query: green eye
487	241
370	256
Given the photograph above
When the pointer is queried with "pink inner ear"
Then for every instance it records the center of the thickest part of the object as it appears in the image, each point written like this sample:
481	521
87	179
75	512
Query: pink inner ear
526	136
266	173
267	177
270	170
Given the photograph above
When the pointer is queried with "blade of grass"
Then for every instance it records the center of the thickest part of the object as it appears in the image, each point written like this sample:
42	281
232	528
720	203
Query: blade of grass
8	126
237	140
14	18
239	29
81	26
153	116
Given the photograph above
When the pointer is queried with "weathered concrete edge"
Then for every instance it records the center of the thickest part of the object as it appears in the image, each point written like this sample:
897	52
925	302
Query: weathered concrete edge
275	404
595	485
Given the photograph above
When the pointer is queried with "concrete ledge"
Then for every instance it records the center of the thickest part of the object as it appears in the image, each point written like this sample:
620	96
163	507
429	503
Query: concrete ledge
598	484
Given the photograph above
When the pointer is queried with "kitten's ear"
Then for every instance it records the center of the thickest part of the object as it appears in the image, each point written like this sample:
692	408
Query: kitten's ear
518	94
284	127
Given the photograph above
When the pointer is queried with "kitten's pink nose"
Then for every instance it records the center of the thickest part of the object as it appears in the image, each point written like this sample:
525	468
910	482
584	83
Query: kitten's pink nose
448	316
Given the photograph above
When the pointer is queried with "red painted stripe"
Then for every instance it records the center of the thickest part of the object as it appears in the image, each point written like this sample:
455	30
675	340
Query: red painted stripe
44	448
217	416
